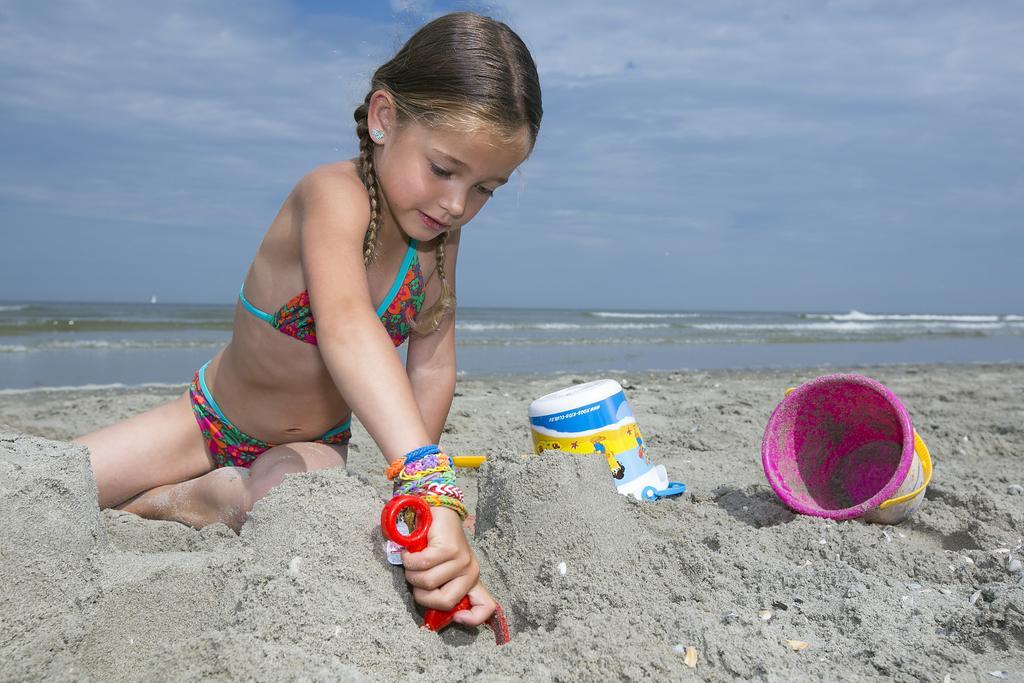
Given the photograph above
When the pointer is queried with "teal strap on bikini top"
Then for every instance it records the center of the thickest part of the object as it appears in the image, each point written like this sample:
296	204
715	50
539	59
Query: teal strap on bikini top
397	311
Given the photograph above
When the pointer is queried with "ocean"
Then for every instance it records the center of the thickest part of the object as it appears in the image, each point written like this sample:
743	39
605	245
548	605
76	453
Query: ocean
65	344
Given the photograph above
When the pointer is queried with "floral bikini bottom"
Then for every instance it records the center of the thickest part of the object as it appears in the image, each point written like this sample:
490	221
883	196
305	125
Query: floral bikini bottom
228	445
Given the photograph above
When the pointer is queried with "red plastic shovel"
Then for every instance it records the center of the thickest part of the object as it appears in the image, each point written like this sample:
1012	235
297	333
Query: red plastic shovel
434	619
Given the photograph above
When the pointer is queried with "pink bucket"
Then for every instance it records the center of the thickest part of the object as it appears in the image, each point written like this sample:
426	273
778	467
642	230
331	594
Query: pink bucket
843	446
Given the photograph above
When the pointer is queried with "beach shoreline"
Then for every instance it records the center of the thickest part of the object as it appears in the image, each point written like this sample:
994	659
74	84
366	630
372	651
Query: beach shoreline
724	569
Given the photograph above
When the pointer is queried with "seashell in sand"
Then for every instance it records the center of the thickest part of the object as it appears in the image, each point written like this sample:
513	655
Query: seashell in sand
690	659
797	645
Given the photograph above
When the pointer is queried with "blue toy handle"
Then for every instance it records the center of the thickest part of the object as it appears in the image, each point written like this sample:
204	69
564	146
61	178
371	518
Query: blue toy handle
674	488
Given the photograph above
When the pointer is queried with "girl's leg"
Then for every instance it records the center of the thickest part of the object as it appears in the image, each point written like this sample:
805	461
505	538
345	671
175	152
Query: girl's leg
160	446
217	496
227	494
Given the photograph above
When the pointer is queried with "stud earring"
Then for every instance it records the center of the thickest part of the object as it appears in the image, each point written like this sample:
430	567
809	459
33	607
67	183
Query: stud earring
377	134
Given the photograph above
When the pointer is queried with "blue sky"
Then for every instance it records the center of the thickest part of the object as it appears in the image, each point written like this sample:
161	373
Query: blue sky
726	155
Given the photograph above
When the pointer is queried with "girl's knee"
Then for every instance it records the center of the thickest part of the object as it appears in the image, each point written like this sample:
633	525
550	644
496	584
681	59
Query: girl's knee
227	492
271	468
260	482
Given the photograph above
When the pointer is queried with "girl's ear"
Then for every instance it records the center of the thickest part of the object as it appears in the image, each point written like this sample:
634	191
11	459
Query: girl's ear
380	118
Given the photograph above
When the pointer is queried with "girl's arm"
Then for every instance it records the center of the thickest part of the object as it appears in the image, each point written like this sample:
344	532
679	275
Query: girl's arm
431	367
332	211
430	362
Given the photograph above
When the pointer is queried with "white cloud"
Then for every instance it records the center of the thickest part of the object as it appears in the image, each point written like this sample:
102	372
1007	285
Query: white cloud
861	49
201	69
416	6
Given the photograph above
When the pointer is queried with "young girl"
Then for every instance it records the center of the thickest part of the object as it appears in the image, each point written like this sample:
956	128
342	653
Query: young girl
360	258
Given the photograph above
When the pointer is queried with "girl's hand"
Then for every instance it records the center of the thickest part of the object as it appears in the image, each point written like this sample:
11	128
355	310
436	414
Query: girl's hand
446	570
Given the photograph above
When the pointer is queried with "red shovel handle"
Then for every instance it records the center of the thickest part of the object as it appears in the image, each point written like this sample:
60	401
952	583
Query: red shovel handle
417	540
435	619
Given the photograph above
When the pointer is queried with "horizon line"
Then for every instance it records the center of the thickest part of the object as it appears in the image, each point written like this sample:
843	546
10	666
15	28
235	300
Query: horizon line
605	309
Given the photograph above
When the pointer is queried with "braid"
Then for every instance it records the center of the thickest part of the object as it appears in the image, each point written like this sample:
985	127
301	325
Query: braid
446	291
369	174
431	319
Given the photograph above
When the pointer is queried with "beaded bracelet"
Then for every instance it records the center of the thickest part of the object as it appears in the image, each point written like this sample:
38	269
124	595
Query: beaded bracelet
427	472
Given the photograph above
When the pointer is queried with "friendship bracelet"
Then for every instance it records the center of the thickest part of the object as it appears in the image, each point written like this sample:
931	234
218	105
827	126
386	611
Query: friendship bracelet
449	490
451	503
412	484
393	469
417	470
427	472
422	451
431	487
444	495
411	457
425	463
406	475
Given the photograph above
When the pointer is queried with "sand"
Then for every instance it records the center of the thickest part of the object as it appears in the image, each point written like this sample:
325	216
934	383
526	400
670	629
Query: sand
303	593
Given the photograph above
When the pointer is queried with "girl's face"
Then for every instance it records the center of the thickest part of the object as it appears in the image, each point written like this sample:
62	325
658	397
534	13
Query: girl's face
435	179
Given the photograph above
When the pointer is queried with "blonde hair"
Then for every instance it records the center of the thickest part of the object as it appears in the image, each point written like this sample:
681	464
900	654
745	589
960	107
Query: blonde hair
462	71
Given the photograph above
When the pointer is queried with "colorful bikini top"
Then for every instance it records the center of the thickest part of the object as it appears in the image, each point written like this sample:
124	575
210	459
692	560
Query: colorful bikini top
399	308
